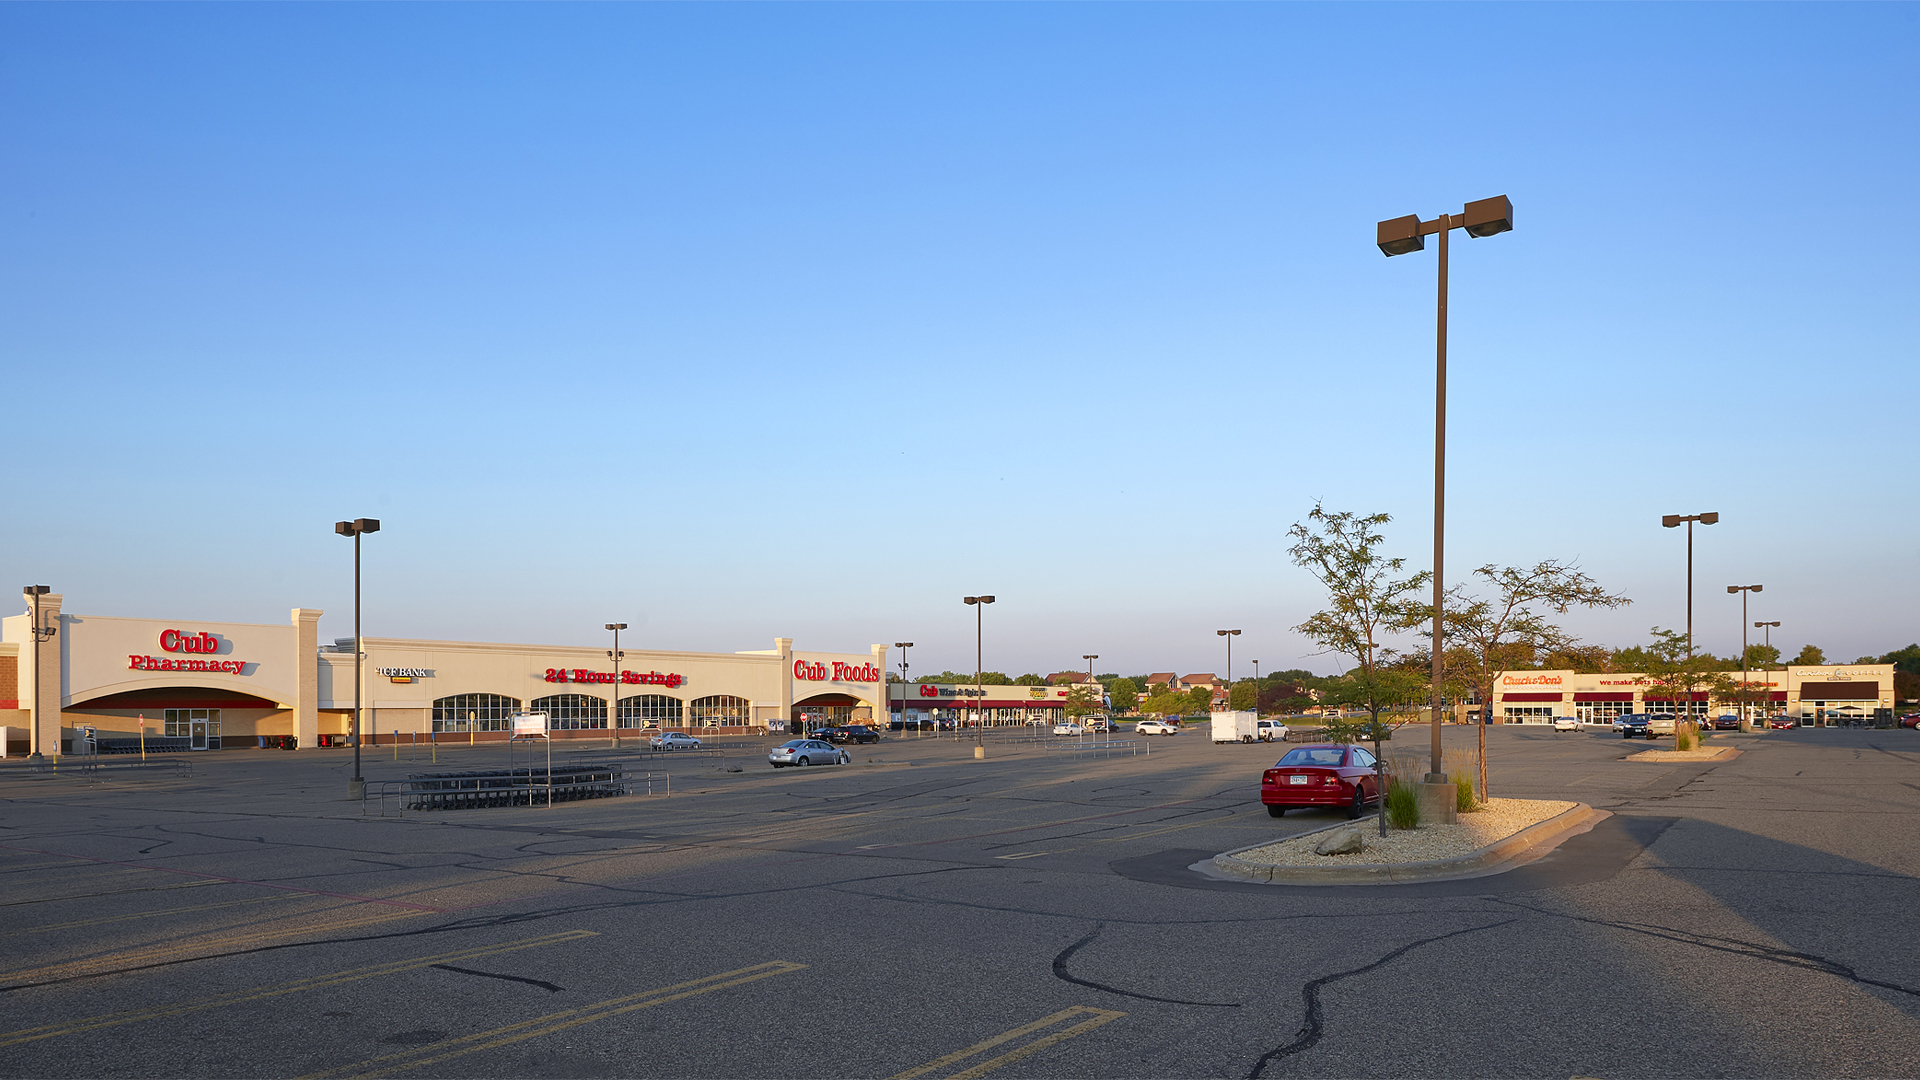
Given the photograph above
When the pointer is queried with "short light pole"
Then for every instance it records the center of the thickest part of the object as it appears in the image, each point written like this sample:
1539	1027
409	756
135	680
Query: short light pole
1256	688
613	704
1229	635
40	633
1746	707
1399	236
1766	638
979	604
903	646
358	527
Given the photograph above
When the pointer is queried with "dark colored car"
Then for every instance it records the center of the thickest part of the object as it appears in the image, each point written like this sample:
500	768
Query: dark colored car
1727	722
1321	774
852	733
1634	726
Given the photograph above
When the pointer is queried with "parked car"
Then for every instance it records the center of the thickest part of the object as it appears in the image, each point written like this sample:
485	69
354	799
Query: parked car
1155	727
1619	723
1787	722
853	733
1659	724
1039	721
1633	725
1911	720
1566	723
1068	727
807	752
674	740
1726	722
1321	774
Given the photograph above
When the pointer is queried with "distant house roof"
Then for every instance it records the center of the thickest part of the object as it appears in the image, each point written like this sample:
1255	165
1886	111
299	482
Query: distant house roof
1204	678
1066	678
1160	677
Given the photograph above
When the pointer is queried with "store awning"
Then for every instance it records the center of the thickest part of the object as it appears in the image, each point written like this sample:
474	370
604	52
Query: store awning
1840	691
1609	696
1530	697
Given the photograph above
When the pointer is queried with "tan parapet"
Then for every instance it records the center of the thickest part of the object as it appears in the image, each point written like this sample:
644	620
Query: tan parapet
306	655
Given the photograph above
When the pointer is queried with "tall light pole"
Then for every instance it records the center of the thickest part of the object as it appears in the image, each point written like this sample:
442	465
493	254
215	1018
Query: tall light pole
903	646
979	604
1399	236
40	633
1746	707
1230	635
1672	521
357	528
613	705
1256	688
1766	638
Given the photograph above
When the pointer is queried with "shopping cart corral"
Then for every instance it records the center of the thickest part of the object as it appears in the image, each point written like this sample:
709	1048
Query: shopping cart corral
536	786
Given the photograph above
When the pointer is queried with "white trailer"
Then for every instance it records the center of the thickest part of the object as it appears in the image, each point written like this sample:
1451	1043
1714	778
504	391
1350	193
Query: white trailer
1245	726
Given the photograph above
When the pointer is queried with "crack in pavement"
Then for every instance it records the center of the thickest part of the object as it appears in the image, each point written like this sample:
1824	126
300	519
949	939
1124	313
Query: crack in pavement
1750	949
496	975
1060	972
1311	1030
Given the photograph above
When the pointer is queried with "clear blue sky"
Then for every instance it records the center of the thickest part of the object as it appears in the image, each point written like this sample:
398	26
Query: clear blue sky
735	321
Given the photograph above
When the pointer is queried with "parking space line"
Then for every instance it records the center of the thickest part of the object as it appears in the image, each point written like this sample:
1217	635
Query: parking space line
448	1049
1095	1018
145	915
106	1020
209	939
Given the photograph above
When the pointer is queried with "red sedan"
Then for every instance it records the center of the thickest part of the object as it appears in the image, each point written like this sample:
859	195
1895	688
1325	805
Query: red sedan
1324	774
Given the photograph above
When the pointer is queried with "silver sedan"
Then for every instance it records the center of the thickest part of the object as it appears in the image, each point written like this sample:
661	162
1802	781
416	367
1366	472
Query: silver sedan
807	752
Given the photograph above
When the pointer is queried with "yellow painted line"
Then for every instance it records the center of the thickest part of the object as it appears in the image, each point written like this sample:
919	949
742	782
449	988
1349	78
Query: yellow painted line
106	1020
143	915
139	957
1095	1018
448	1049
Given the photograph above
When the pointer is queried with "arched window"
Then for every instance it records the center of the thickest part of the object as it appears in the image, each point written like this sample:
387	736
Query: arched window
567	712
651	710
474	712
720	710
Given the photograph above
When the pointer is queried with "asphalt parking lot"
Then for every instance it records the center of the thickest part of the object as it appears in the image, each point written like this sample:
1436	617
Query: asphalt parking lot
922	914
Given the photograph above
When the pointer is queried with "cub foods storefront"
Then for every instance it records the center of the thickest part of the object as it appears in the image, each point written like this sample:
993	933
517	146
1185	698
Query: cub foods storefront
218	685
1814	695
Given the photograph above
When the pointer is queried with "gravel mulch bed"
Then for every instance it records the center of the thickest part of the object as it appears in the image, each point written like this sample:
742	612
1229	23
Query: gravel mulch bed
1705	753
1496	820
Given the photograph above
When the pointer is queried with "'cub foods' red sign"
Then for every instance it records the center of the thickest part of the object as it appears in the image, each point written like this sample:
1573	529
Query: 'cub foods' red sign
841	672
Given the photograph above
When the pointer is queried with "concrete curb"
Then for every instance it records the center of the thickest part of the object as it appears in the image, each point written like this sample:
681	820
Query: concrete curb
1524	846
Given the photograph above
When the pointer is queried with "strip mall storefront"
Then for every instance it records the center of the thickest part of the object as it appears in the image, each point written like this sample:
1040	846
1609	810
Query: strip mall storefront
994	705
1816	695
227	685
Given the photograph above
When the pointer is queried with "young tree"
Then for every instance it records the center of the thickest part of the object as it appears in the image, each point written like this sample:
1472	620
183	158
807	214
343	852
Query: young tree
1124	694
1030	680
1367	599
1501	620
1675	675
1810	655
1165	704
1082	700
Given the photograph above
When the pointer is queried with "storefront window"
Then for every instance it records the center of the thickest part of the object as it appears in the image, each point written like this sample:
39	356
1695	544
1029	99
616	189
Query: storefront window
180	722
1528	714
720	710
1602	712
571	712
650	710
474	712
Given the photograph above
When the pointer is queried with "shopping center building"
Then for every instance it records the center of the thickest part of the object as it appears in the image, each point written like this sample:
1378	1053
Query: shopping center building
1811	694
914	703
226	685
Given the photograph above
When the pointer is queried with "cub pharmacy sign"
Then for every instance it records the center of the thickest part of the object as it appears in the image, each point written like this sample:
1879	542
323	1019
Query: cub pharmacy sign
180	641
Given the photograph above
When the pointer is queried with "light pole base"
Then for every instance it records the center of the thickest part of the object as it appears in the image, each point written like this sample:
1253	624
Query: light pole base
356	790
1439	803
979	753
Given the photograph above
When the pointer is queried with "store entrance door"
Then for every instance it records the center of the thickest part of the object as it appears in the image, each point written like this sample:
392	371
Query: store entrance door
199	735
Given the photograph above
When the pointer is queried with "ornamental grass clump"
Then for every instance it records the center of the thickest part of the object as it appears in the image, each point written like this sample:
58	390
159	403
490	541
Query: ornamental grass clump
1403	805
1682	738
